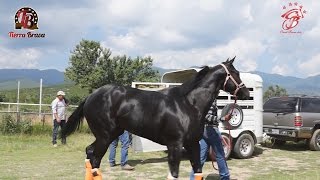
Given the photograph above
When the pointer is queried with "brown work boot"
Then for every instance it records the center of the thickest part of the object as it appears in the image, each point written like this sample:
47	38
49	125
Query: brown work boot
127	167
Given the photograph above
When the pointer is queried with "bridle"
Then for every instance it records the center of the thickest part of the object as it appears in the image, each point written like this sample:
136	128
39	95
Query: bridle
229	76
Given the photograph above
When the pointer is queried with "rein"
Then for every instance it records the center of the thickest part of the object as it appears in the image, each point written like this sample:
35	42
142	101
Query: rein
227	118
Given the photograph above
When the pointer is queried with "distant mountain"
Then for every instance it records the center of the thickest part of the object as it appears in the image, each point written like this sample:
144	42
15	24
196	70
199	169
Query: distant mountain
293	85
29	78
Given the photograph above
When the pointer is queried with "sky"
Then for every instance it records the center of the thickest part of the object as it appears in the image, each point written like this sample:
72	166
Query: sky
175	33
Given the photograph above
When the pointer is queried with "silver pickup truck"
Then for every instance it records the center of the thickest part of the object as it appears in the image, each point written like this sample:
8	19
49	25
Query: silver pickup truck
293	118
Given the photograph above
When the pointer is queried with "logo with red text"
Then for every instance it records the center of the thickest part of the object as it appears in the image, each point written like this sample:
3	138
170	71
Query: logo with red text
293	13
26	18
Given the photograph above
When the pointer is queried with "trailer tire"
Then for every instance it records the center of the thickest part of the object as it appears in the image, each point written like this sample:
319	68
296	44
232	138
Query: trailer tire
237	116
244	146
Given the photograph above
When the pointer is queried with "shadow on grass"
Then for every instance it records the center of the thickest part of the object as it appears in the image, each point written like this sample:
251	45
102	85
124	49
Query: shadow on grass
292	146
147	161
257	151
213	176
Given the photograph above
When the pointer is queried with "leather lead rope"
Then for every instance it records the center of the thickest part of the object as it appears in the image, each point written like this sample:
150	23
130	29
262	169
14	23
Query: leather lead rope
211	152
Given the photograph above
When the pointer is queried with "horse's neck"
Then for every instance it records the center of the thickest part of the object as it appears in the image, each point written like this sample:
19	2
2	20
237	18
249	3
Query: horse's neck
202	97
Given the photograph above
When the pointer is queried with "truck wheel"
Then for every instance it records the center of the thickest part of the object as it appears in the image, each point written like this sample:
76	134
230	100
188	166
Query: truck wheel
227	145
315	141
244	146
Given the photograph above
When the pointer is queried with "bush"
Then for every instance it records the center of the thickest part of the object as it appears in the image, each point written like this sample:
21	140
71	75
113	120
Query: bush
10	126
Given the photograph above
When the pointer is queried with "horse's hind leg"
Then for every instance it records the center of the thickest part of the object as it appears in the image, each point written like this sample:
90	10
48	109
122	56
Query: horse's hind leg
174	158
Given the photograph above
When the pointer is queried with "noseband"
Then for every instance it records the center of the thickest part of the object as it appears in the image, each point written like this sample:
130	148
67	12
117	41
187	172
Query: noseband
229	76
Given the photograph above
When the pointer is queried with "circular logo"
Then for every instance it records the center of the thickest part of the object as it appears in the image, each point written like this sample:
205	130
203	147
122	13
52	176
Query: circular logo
26	18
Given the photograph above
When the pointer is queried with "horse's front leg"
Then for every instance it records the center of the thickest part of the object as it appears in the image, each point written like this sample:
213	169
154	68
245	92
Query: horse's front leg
174	158
193	150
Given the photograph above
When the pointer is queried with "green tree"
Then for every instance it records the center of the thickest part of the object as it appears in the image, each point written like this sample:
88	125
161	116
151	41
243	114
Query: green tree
274	91
91	66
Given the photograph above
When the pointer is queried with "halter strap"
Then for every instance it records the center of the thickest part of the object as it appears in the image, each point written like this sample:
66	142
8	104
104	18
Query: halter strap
229	76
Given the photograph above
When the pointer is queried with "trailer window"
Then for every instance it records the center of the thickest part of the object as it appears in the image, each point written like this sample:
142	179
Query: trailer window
281	104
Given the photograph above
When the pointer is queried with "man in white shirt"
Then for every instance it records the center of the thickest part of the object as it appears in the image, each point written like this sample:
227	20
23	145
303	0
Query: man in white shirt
58	107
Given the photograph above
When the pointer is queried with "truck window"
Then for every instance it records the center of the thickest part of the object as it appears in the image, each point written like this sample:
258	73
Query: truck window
310	105
281	104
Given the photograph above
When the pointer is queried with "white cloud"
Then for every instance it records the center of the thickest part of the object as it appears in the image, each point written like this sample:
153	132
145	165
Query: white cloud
177	33
246	55
247	13
314	33
281	69
311	66
209	5
23	58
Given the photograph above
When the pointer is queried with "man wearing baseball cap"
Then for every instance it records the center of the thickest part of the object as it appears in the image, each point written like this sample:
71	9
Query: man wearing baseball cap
58	106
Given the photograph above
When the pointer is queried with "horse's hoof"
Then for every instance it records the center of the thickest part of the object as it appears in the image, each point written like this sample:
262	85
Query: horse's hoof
170	177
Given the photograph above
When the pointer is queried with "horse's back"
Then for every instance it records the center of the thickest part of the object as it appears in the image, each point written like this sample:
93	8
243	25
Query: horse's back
149	114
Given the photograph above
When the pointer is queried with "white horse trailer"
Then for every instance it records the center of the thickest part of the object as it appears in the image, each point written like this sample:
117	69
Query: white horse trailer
247	129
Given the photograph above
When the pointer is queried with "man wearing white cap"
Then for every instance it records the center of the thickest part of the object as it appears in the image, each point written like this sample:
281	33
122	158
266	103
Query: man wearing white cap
59	116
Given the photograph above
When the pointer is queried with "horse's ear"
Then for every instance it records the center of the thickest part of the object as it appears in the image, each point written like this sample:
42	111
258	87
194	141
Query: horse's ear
231	61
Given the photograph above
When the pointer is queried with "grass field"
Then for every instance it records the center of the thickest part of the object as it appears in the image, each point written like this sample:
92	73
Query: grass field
33	157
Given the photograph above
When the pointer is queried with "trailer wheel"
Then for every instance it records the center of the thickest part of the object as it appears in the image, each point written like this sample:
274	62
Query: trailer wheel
244	146
237	115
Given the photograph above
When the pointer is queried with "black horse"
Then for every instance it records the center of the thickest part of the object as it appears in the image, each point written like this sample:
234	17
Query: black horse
173	117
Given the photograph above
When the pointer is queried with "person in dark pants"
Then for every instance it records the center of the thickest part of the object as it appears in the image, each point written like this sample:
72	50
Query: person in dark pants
125	142
212	137
58	106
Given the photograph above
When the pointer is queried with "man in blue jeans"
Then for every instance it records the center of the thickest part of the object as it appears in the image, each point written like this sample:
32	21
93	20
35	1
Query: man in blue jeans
58	106
212	137
125	142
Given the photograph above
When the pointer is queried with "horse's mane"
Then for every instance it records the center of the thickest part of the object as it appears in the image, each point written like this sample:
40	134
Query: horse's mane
191	84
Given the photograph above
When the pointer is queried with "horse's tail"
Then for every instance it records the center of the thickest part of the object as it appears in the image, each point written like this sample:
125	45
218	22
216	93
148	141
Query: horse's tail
74	121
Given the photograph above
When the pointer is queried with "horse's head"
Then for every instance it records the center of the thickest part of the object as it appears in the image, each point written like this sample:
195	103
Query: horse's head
233	84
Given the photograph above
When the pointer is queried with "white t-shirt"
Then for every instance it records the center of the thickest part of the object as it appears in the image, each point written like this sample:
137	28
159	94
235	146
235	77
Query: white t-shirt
59	107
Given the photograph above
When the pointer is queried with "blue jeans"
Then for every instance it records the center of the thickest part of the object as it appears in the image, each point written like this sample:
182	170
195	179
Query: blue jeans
56	129
125	142
212	137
